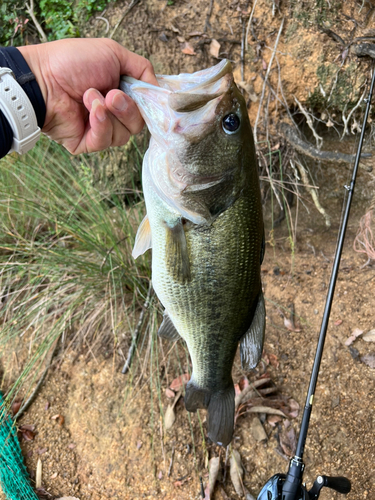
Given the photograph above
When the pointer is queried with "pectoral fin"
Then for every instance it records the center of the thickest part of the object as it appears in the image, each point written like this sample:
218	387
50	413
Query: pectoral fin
167	329
252	342
142	239
177	255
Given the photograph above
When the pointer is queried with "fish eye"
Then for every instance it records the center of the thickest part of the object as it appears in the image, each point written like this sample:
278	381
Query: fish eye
231	123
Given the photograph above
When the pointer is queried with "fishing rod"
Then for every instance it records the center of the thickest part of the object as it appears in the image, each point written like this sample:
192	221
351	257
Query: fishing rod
289	486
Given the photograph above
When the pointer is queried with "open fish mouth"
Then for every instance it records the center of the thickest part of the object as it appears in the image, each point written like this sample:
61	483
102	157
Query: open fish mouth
168	108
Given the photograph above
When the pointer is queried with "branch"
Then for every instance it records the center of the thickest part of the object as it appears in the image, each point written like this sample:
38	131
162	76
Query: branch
30	11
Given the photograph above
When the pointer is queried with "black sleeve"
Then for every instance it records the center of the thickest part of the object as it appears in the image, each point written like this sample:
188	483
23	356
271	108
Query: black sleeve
10	57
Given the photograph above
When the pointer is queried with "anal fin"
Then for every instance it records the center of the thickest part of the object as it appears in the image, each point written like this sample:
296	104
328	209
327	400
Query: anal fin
143	239
167	329
251	346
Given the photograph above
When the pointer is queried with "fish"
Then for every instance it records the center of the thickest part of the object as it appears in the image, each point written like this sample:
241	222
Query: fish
204	225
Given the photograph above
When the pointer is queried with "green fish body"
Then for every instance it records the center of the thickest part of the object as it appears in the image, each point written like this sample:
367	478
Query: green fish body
204	225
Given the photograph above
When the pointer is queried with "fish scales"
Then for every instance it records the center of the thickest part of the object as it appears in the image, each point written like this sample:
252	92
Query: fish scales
204	224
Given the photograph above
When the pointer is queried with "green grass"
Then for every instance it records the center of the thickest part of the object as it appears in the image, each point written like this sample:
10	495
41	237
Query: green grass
66	269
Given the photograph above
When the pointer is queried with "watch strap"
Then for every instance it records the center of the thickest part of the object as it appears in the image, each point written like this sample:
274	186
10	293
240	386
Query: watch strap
19	112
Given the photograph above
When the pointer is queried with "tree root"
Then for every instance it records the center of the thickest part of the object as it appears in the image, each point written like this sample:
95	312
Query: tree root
308	150
364	242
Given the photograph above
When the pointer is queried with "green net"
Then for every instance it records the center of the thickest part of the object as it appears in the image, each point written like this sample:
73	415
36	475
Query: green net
14	478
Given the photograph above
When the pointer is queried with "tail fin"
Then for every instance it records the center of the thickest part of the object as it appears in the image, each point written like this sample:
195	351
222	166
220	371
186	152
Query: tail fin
220	406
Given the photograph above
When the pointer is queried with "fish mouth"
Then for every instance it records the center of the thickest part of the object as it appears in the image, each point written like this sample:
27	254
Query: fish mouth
188	99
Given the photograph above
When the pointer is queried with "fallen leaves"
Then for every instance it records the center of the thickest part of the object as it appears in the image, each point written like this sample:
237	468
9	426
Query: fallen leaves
179	382
369	336
170	416
214	467
356	333
27	432
59	419
369	360
236	472
188	49
215	48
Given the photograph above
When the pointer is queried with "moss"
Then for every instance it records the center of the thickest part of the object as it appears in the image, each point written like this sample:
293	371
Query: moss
346	85
314	11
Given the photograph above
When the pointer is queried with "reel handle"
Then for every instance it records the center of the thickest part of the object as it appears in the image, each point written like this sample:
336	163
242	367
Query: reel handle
339	484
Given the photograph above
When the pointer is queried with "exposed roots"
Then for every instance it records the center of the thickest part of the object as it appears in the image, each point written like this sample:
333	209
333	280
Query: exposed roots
364	242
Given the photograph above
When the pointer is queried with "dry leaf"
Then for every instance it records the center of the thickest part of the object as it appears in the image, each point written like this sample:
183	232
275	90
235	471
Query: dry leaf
214	48
195	33
188	49
38	477
294	408
181	39
369	336
236	472
27	432
273	420
356	333
214	467
16	405
267	410
179	382
169	417
243	383
369	360
67	498
288	441
290	325
257	430
179	483
169	393
338	322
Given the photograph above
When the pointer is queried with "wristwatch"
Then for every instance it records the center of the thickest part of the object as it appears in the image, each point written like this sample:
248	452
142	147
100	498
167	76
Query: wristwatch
18	110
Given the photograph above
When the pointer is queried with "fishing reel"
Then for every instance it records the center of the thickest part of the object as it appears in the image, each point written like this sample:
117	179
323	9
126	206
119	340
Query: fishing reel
289	487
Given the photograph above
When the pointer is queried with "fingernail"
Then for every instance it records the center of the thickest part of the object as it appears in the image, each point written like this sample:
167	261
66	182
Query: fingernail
119	102
99	110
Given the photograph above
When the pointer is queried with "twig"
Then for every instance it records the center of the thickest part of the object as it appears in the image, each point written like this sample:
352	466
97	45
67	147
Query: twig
30	11
110	250
243	51
171	462
319	140
137	331
313	193
249	23
100	18
346	120
207	22
28	402
132	4
266	78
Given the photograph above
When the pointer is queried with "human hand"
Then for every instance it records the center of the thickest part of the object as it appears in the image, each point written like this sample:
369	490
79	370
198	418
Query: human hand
79	79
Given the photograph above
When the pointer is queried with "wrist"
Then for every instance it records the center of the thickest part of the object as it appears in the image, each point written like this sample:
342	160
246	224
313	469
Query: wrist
31	54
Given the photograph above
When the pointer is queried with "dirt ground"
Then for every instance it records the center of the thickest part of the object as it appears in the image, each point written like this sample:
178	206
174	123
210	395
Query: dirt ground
108	449
111	443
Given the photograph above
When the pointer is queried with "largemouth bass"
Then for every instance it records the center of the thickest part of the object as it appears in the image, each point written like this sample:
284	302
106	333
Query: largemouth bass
204	225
